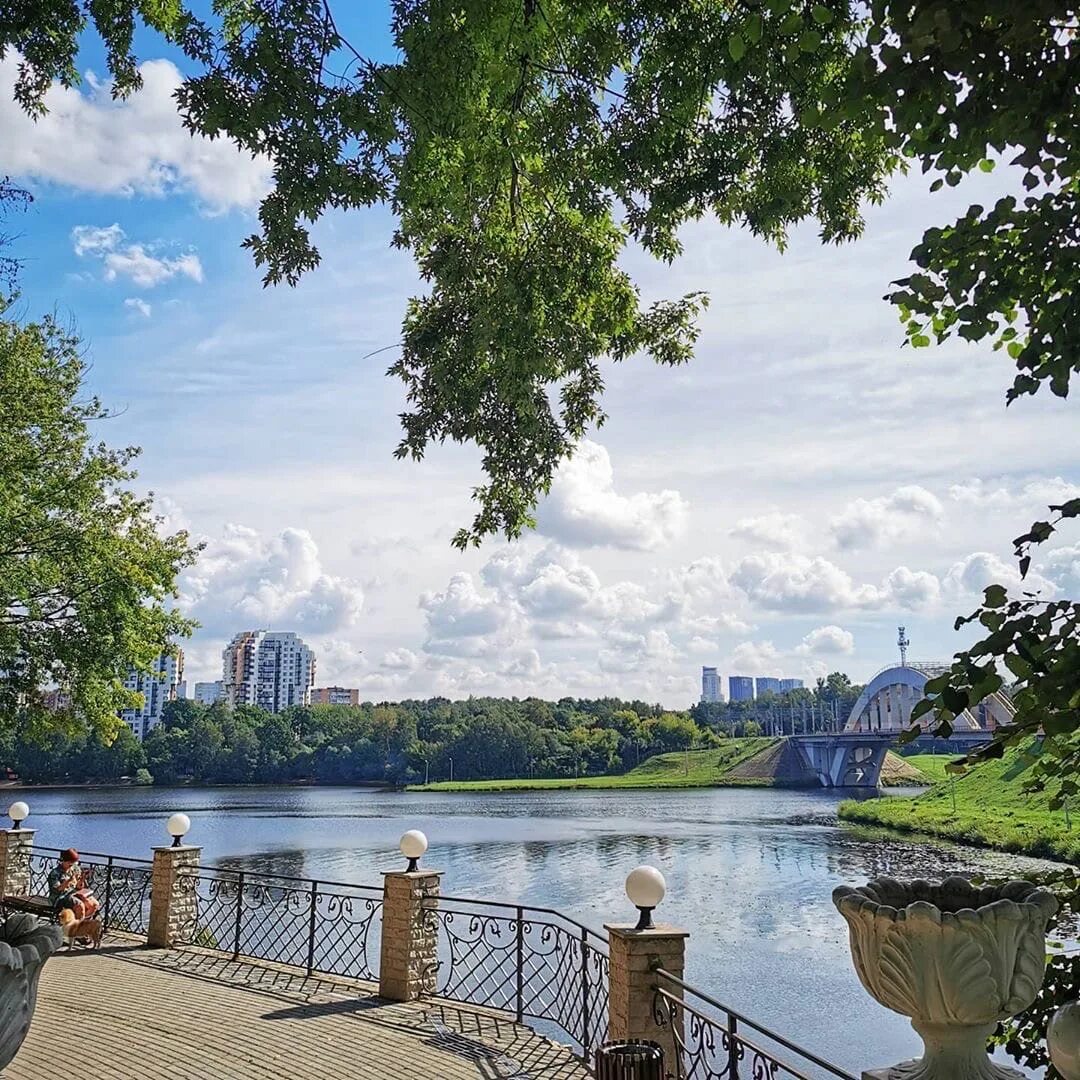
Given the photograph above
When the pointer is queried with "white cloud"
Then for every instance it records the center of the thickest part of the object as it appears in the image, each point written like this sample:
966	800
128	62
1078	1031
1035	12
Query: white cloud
91	142
141	306
463	621
972	574
244	580
1043	491
754	658
130	260
829	640
583	508
908	512
799	583
1063	568
776	530
400	660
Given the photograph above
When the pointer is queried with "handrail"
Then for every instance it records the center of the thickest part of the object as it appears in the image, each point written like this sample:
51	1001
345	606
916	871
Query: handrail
523	907
734	1014
38	849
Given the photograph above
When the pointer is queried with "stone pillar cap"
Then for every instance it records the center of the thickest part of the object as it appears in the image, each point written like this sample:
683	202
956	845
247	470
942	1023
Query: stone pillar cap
182	847
660	930
413	873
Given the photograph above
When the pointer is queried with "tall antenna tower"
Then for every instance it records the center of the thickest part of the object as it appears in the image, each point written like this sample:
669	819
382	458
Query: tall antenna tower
903	643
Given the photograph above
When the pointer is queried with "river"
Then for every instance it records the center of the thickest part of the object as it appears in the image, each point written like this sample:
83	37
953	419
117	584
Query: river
750	872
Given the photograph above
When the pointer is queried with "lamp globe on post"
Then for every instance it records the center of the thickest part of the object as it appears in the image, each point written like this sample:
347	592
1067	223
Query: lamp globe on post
413	845
645	886
178	826
18	812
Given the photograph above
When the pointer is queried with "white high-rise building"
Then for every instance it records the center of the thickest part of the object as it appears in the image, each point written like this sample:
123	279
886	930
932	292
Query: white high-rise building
206	693
270	669
157	687
710	685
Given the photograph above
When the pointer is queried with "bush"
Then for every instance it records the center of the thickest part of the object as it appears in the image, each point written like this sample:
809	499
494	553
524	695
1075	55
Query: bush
143	778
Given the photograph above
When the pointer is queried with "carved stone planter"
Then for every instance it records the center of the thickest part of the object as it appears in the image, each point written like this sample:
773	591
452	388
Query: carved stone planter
954	958
25	944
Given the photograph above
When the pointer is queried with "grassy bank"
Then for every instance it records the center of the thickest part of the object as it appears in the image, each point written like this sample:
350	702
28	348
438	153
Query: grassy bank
986	806
692	768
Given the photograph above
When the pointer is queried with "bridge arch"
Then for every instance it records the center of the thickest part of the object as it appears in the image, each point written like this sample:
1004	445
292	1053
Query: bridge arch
887	700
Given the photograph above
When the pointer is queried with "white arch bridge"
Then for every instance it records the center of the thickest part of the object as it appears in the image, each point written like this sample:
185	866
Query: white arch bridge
854	756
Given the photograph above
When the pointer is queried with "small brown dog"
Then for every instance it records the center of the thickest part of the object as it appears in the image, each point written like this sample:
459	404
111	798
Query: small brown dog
85	931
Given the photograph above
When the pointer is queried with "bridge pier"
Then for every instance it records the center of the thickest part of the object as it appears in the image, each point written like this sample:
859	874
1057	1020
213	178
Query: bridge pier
849	760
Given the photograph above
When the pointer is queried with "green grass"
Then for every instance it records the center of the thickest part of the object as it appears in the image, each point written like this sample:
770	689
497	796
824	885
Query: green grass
694	768
932	766
991	809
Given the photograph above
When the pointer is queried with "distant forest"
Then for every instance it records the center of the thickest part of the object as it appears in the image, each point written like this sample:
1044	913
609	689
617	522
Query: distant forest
405	742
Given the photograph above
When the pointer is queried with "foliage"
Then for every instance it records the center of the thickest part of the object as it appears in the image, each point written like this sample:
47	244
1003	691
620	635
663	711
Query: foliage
990	806
524	143
85	576
10	196
397	743
801	710
1038	641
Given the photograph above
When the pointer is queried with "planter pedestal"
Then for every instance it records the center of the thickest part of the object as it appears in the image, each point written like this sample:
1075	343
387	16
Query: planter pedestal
25	944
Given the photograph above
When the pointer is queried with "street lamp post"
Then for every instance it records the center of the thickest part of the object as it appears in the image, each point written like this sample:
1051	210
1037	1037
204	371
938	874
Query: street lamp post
451	770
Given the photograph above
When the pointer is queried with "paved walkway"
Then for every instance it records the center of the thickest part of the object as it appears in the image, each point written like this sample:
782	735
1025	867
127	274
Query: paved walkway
129	1012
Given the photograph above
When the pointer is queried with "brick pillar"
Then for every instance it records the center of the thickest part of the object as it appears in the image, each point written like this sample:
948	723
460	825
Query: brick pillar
408	961
634	957
172	894
15	845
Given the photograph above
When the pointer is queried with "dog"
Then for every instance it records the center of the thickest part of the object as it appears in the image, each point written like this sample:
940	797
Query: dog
86	932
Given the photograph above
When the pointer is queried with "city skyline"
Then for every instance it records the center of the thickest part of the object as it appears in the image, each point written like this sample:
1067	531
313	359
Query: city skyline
849	505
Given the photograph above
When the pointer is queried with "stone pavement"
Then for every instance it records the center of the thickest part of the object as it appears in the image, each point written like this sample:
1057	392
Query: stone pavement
130	1012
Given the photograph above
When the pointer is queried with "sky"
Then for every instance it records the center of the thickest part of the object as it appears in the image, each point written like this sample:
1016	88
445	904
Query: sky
776	507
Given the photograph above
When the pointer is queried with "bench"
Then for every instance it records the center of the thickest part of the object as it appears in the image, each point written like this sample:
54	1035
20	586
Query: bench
32	905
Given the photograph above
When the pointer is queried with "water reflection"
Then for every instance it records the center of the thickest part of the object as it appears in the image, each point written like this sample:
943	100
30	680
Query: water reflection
750	872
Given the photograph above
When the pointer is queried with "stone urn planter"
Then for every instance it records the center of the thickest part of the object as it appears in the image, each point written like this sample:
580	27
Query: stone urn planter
954	958
25	944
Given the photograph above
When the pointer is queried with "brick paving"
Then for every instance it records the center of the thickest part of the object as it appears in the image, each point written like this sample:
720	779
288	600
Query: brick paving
128	1011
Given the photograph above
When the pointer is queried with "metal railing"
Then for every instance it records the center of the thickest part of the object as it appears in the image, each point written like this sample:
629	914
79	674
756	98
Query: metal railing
322	926
532	962
712	1041
121	885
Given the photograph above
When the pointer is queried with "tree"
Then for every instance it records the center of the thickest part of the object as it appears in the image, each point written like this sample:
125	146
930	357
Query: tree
85	575
11	196
523	143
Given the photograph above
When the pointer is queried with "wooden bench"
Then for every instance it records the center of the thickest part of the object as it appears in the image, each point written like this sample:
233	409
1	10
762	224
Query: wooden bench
32	905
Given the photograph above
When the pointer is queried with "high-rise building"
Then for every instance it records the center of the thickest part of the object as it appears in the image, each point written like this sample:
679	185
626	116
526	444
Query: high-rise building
767	686
787	685
334	695
271	669
710	685
206	693
740	688
157	686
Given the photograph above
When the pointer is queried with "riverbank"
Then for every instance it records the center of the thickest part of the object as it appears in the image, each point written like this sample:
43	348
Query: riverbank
986	807
750	762
681	769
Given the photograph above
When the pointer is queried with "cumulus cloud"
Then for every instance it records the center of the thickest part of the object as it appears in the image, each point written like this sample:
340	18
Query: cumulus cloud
829	640
244	580
138	146
1043	491
132	261
972	574
907	512
1063	568
141	306
800	583
463	621
583	508
776	530
754	658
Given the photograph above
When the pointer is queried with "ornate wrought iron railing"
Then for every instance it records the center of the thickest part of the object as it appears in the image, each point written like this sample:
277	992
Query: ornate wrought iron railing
532	962
121	885
316	925
715	1042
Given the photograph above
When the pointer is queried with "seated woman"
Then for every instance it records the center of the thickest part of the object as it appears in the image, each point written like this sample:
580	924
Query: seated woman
69	887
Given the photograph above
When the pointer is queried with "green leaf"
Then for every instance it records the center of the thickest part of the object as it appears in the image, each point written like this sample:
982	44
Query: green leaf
986	165
822	15
809	41
995	596
752	28
736	47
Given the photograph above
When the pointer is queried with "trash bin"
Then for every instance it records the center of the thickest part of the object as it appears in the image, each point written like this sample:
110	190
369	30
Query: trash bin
635	1059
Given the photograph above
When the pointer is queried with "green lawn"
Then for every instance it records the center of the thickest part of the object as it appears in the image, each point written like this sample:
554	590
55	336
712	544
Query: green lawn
991	809
694	768
932	766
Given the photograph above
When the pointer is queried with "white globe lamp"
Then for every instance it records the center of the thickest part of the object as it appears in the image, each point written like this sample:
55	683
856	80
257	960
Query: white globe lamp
177	827
645	886
413	844
18	812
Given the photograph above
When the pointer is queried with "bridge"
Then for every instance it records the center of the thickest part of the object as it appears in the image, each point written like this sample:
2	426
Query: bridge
853	757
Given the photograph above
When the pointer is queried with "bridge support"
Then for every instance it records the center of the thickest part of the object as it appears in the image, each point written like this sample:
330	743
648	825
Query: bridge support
844	761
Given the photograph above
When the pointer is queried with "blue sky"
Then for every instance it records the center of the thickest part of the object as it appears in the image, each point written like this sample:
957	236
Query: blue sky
776	507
